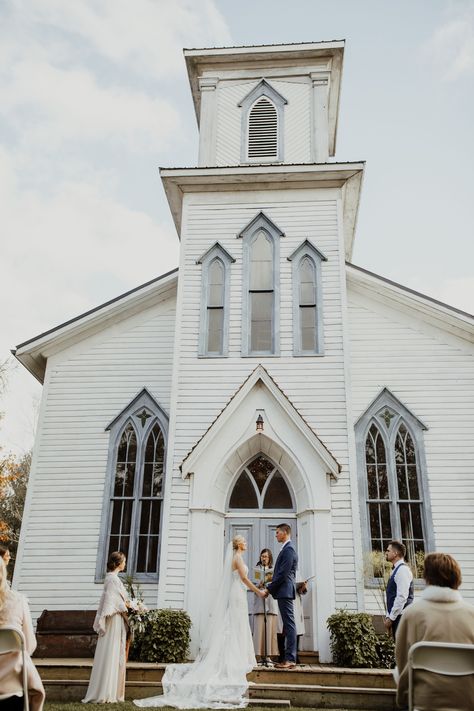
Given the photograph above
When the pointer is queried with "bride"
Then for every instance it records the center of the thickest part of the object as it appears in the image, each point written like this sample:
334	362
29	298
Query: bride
218	677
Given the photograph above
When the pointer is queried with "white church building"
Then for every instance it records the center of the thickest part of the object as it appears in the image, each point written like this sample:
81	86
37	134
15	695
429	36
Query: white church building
265	380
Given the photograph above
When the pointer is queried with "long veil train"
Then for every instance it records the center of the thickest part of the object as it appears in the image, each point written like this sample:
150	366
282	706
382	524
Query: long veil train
218	677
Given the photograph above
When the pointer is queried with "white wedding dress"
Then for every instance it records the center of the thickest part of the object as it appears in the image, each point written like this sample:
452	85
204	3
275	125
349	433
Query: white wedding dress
217	679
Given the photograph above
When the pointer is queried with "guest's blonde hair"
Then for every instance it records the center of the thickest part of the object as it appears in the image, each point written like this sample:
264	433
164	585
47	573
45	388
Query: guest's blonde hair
5	592
236	541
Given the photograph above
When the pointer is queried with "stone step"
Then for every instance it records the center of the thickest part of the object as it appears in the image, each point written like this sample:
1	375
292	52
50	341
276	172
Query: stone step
320	675
319	686
310	696
270	703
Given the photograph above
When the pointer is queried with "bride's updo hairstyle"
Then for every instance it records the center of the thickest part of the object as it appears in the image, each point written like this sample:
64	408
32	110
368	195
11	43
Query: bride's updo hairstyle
114	560
237	541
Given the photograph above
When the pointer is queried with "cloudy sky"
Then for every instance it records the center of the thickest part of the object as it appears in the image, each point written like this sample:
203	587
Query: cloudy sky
94	97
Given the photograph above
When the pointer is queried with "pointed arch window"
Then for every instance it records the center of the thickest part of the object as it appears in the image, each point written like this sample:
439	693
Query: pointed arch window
393	482
262	124
261	284
261	487
214	322
132	512
307	300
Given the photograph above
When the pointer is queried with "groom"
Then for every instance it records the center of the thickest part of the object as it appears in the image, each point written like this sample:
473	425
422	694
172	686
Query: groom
282	588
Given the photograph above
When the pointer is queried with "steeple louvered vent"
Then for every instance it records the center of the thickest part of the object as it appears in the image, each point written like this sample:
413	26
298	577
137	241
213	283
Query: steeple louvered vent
263	130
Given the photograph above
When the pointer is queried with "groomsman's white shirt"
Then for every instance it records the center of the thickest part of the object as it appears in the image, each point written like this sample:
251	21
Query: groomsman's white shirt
403	578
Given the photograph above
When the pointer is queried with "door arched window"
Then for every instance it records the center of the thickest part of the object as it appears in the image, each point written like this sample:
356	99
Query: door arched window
261	486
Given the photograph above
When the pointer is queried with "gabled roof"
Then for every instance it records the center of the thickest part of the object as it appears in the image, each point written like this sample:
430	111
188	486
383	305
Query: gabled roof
262	375
33	353
433	311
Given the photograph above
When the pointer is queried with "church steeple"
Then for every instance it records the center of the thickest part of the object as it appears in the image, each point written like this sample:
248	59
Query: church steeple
266	104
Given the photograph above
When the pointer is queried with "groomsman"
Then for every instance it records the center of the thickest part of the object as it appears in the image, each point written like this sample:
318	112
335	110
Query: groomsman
399	587
282	589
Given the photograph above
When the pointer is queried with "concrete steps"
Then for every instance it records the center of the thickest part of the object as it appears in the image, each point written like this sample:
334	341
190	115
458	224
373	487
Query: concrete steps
313	686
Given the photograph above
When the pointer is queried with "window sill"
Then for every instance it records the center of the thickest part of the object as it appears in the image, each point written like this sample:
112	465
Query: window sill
376	584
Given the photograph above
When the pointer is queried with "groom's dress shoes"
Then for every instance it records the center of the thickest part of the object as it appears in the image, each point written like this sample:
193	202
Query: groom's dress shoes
285	665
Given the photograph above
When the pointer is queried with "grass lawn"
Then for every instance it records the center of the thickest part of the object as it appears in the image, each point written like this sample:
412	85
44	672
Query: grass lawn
129	706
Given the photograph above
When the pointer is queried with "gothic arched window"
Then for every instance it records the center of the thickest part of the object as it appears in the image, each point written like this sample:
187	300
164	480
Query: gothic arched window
214	322
393	484
133	507
261	486
307	300
261	284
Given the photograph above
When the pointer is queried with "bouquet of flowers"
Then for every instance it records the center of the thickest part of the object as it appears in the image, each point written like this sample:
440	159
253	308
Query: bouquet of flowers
136	608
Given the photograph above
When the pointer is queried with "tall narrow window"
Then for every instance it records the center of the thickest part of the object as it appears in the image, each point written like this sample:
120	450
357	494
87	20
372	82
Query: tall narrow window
122	498
393	486
262	124
133	506
307	306
261	287
261	294
150	502
215	307
214	322
408	489
307	299
378	502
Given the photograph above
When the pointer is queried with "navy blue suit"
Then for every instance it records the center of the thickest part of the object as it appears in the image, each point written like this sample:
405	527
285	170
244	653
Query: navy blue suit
282	588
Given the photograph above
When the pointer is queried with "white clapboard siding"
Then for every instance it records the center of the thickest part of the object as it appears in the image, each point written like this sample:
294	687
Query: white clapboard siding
432	373
296	122
87	386
316	386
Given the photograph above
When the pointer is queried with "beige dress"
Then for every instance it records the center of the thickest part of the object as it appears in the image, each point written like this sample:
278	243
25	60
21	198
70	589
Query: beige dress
107	681
16	613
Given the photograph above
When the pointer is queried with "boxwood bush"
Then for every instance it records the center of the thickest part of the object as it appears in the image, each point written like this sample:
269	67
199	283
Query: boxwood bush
354	642
163	636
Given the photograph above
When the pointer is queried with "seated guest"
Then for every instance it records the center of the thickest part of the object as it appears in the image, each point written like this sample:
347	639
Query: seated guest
14	612
440	615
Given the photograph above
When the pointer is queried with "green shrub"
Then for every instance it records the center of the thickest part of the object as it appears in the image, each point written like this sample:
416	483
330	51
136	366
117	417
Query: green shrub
353	639
163	637
385	651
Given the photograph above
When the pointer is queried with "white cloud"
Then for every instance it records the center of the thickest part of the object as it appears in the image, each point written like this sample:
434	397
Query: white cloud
58	105
451	47
145	35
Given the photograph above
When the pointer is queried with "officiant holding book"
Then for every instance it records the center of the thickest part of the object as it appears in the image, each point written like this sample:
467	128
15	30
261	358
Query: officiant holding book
268	608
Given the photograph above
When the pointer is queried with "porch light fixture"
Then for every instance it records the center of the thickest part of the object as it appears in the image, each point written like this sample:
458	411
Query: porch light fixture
259	424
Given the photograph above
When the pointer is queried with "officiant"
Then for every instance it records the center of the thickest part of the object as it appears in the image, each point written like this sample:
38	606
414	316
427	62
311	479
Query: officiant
263	574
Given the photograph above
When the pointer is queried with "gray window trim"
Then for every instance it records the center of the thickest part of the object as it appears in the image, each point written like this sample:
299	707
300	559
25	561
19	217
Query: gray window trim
217	251
307	249
260	223
130	414
397	413
263	88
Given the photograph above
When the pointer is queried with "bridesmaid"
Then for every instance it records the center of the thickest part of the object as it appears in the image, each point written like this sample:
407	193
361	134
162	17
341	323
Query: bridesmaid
107	681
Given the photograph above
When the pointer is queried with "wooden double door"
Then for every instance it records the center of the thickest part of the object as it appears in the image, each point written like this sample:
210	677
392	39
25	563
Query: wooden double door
259	533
